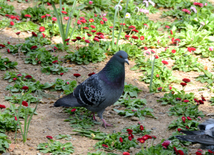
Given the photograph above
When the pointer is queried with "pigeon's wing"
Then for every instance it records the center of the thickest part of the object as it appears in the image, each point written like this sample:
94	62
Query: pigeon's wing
202	139
90	92
209	123
200	132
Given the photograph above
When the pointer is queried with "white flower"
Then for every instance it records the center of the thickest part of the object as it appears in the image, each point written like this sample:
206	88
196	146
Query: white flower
127	15
193	9
147	3
144	11
153	4
202	23
118	6
137	9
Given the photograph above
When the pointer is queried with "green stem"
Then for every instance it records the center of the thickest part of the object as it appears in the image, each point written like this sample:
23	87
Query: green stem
121	27
115	17
153	64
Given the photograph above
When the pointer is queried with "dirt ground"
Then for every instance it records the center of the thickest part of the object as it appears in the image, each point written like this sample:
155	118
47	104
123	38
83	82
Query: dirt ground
50	120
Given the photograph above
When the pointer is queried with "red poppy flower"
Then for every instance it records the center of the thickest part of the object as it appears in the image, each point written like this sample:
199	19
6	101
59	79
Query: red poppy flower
42	29
121	139
173	51
126	153
190	49
66	18
73	110
67	39
11	23
156	56
90	74
96	39
111	27
167	27
201	102
33	47
89	34
55	61
183	119
55	48
202	97
87	41
83	21
85	28
48	15
166	143
101	22
196	100
186	80
17	33
141	128
179	129
54	19
129	130
61	74
189	118
130	138
105	19
77	75
183	84
178	99
198	4
91	20
135	37
2	106
160	89
210	151
164	62
43	16
8	50
78	38
24	103
186	10
7	43
49	137
142	38
141	140
135	30
122	24
93	31
180	152
64	12
74	40
187	127
28	76
186	101
79	22
27	16
104	145
131	27
93	27
48	3
14	79
15	118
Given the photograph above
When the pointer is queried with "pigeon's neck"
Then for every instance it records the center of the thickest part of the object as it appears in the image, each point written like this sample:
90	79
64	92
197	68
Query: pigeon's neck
113	73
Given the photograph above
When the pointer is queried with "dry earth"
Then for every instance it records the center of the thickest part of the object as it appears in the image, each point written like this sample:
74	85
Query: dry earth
50	120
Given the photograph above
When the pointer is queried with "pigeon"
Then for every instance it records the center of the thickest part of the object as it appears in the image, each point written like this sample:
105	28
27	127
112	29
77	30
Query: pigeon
99	90
204	136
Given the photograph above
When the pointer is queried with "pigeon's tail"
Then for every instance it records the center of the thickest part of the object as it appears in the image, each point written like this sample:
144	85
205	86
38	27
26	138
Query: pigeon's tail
192	132
202	139
67	101
190	138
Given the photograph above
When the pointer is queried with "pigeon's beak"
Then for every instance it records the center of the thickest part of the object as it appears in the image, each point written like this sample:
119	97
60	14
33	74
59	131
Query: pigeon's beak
127	61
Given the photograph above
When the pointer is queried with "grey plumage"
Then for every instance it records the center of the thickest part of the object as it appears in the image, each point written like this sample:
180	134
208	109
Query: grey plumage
99	90
205	136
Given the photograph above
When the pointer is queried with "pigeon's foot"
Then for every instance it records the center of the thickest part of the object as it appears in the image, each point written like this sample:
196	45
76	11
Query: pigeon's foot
94	118
106	124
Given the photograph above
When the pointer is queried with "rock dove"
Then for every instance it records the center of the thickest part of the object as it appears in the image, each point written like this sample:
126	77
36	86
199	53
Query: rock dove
99	90
204	136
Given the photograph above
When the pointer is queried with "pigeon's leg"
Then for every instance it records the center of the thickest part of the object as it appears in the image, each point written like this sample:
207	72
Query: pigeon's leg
94	118
105	124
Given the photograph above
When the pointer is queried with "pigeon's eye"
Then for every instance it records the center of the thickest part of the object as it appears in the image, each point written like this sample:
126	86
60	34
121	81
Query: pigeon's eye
121	56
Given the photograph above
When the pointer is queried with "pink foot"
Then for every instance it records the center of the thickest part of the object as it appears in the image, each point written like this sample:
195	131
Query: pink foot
94	118
105	124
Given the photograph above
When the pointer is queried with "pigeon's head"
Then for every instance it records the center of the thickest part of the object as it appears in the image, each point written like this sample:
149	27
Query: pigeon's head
122	57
